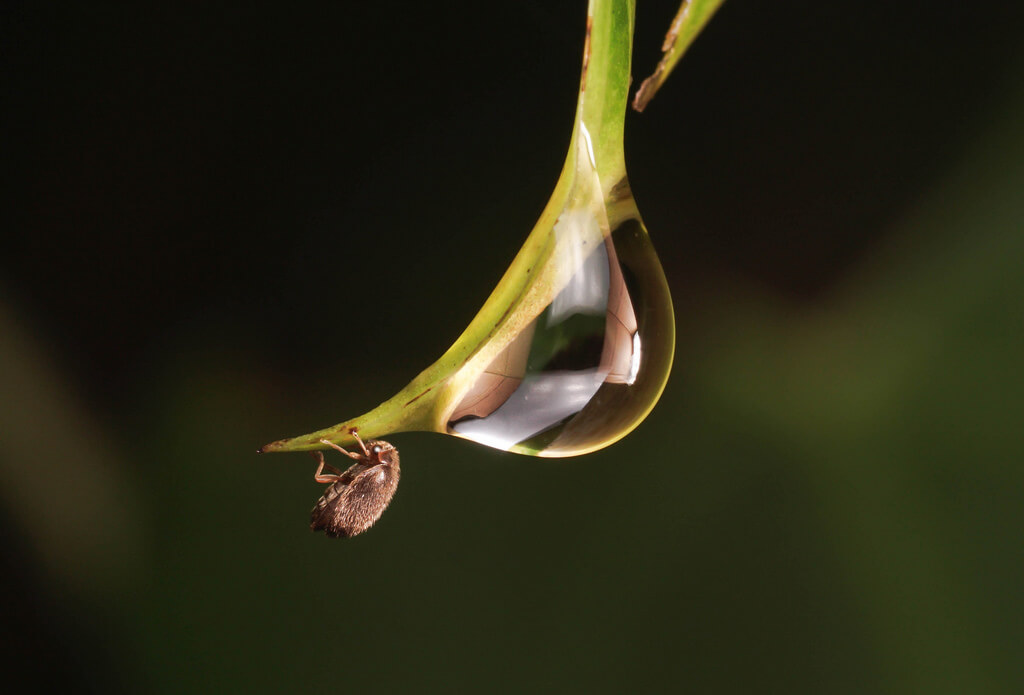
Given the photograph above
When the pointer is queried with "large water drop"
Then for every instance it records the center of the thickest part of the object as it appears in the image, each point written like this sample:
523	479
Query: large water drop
592	364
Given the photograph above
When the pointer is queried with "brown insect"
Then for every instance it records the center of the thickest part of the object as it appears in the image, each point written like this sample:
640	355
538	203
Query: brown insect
357	497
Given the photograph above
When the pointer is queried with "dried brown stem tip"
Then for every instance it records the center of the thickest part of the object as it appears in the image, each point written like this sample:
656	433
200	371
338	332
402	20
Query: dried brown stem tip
650	86
356	498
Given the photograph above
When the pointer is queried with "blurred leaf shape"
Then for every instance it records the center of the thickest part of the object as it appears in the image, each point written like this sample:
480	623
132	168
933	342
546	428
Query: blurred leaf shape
60	476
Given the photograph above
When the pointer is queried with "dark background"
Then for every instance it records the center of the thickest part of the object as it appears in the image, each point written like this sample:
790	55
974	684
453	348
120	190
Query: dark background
231	224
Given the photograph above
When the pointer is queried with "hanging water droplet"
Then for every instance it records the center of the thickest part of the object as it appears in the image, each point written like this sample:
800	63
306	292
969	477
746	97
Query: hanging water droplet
592	364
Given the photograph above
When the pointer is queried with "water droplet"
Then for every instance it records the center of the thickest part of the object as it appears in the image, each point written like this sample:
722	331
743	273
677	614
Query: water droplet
592	364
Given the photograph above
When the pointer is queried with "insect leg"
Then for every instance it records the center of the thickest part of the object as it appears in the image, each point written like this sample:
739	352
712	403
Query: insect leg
360	442
324	478
357	457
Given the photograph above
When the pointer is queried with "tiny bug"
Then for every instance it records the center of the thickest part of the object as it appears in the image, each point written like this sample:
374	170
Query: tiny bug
357	497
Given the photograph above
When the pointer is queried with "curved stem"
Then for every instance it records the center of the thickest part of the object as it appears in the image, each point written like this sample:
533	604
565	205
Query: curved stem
531	281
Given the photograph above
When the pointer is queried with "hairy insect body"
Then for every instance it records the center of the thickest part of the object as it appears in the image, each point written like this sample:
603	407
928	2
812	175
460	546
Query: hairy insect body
356	498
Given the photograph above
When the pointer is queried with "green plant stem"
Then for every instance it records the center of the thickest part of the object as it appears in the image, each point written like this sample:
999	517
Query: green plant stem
531	282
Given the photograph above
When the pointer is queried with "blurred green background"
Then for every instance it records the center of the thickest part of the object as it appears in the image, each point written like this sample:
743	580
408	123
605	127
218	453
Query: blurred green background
230	225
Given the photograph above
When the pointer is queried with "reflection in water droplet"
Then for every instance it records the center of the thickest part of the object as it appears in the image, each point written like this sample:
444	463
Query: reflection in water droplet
593	363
